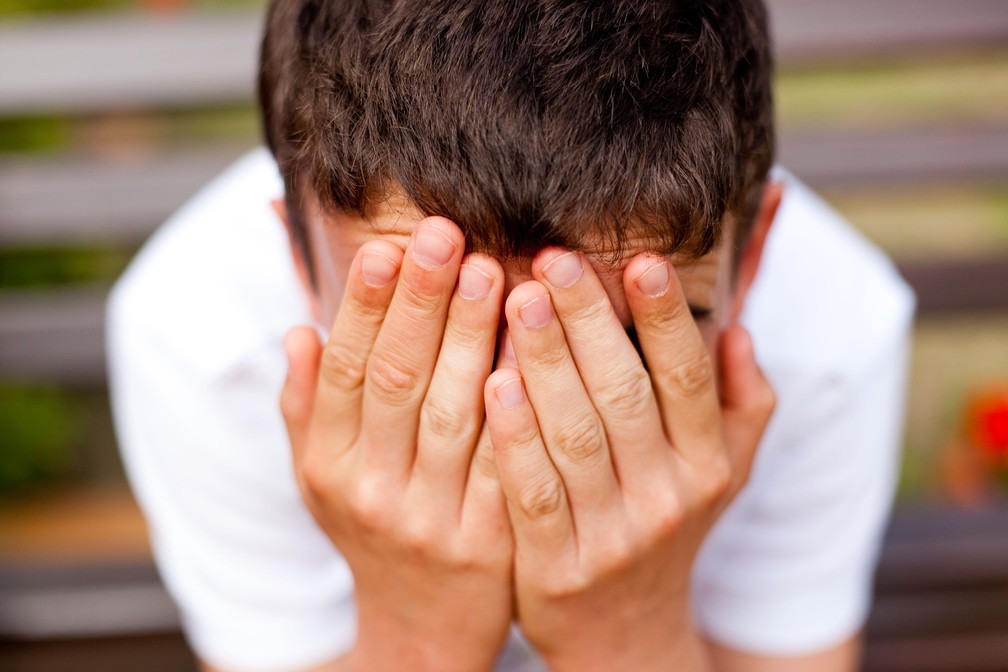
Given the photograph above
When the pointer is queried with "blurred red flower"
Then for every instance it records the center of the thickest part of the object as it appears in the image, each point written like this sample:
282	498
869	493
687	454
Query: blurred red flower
987	424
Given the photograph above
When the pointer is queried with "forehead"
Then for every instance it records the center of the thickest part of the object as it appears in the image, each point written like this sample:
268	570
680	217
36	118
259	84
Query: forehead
705	280
395	218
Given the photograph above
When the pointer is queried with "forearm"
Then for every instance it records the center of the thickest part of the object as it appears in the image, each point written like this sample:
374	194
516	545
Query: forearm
361	659
648	649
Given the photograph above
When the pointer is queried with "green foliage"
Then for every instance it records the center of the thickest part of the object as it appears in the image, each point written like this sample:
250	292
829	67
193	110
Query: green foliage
38	430
58	6
46	267
28	7
32	134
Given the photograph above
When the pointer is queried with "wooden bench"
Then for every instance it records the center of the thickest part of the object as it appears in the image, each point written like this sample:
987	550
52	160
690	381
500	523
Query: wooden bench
940	604
942	594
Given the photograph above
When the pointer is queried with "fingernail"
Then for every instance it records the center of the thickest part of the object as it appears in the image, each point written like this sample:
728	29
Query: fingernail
564	271
510	394
432	249
473	283
507	350
537	312
654	281
377	269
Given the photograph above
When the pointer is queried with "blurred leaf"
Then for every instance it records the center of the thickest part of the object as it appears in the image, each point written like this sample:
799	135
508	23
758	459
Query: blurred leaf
24	7
58	6
45	267
32	134
38	429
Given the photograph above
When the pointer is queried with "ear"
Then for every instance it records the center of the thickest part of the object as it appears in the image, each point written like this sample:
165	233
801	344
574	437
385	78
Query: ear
752	253
279	206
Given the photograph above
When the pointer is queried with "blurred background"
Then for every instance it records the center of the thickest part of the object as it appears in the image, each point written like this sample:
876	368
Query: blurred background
113	112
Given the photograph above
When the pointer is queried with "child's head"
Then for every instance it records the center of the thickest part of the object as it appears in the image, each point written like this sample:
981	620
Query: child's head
609	127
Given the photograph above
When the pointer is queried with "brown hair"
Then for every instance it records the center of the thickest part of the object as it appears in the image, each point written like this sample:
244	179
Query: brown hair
528	122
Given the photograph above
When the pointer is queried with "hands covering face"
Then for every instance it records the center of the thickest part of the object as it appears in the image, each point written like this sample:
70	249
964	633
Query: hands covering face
567	483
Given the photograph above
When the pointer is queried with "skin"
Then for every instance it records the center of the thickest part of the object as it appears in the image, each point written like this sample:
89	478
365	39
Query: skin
563	484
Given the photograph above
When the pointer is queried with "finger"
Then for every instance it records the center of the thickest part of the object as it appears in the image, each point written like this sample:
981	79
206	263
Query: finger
406	349
535	493
298	394
681	370
570	426
612	371
484	498
506	353
369	288
484	502
452	410
747	399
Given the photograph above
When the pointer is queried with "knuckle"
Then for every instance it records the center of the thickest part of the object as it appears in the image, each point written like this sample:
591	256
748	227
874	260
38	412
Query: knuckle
590	315
484	461
739	479
419	537
566	586
464	334
550	357
767	400
420	297
581	440
690	377
541	499
444	422
666	320
666	517
627	393
390	381
615	557
315	474
522	438
366	502
367	309
717	479
341	368
667	520
291	407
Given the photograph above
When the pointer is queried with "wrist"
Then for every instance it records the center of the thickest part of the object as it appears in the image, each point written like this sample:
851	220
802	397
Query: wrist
660	645
413	656
386	644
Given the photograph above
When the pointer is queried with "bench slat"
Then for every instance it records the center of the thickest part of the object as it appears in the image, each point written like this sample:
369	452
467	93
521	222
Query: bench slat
53	336
122	199
85	200
95	63
985	652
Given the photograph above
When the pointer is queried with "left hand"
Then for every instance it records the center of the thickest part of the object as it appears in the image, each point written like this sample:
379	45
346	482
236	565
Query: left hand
614	475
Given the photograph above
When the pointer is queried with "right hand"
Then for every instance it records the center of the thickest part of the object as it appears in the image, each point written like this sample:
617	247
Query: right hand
393	458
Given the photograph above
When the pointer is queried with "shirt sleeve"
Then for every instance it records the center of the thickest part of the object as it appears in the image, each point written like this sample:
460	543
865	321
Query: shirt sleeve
788	568
258	585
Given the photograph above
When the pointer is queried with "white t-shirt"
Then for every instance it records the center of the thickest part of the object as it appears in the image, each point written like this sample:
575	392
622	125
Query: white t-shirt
195	331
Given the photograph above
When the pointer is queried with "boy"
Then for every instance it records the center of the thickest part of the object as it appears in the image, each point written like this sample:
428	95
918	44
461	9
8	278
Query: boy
594	178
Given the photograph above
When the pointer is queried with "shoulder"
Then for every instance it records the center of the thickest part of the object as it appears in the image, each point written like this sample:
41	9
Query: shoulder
826	301
215	282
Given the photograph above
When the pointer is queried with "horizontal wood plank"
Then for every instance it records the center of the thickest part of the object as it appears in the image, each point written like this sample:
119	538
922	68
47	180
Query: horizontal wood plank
100	200
984	652
947	288
53	336
87	199
96	63
919	628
